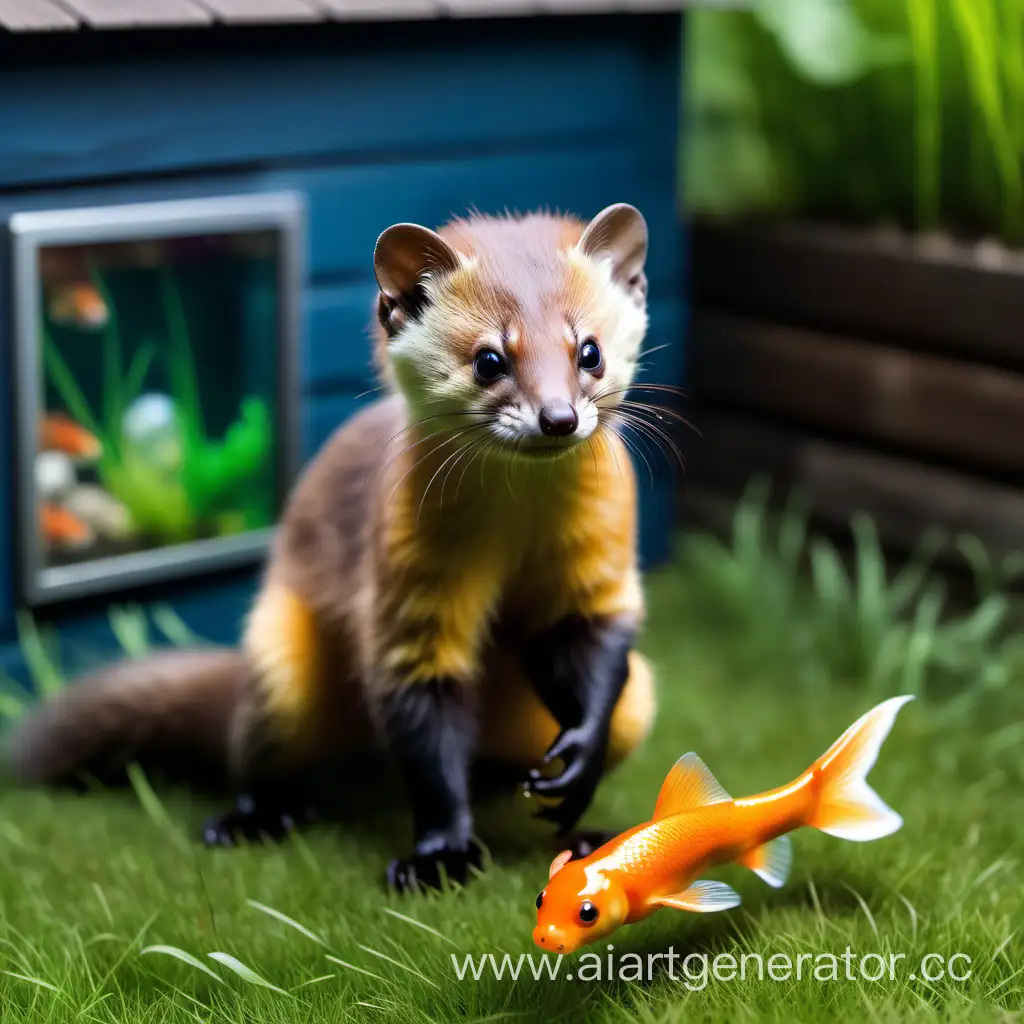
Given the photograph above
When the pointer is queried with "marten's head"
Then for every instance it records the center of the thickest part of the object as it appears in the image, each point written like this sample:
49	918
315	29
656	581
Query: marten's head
524	331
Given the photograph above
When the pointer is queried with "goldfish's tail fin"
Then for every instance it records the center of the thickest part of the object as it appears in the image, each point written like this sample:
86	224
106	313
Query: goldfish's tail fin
846	806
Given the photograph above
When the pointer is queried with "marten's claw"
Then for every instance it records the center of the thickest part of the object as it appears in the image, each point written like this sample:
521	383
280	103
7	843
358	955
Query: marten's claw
254	821
582	754
427	870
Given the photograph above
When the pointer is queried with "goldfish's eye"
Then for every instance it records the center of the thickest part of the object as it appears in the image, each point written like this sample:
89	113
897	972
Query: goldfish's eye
590	358
488	366
540	899
588	912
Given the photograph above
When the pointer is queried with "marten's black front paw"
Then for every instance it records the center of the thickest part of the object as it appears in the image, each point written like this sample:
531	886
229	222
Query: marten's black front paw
254	820
432	861
582	752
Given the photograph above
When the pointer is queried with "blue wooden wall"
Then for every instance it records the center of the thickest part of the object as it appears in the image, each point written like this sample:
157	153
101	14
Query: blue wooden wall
373	124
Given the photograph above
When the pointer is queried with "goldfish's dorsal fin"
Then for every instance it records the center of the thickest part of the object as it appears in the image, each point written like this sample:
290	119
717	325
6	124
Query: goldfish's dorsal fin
690	784
771	861
702	898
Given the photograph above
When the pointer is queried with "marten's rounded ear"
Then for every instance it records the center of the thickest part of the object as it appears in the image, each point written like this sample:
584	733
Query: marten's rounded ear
405	254
619	234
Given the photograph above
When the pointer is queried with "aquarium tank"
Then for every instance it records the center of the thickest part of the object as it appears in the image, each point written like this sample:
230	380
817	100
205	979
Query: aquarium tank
155	365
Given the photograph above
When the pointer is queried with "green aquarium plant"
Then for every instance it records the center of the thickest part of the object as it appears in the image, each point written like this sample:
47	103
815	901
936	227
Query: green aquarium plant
906	112
206	486
212	471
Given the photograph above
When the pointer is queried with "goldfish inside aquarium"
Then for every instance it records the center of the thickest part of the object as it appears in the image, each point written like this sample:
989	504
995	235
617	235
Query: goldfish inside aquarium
159	419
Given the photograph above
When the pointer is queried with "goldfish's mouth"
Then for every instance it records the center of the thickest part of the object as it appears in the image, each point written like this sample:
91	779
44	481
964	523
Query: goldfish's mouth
551	942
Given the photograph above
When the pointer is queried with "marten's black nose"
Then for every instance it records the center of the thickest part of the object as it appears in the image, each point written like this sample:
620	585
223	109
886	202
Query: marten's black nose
558	419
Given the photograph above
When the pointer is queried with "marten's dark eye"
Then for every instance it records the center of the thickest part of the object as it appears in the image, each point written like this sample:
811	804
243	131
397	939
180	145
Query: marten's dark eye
540	900
590	356
588	912
488	366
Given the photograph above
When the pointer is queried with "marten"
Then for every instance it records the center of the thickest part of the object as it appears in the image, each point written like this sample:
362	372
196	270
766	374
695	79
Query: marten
455	574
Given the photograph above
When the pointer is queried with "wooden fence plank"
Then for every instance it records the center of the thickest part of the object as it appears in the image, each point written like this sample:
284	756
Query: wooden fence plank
34	15
958	411
905	498
853	282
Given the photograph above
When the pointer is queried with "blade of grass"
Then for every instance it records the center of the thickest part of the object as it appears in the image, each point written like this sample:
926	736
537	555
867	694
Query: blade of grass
398	963
922	22
418	924
32	981
45	675
975	21
187	958
285	919
174	627
244	972
358	970
130	628
151	803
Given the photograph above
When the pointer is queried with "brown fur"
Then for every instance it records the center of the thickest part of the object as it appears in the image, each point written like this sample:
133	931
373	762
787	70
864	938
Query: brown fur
402	556
170	708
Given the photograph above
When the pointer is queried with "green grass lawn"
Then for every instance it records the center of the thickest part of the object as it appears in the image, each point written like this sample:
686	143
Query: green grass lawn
89	884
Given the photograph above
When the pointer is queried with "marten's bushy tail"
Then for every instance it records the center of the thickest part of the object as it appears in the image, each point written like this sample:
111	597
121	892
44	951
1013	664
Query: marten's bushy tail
171	711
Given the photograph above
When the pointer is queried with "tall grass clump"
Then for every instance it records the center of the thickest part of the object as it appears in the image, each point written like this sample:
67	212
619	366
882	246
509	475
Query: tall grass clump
906	112
789	598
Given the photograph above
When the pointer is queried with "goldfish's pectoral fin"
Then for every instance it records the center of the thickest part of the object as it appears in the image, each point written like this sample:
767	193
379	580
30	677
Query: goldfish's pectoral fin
559	862
703	897
688	785
771	861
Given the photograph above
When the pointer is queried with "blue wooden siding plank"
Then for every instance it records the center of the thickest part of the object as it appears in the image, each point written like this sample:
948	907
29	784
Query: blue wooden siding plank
123	117
350	206
323	414
337	351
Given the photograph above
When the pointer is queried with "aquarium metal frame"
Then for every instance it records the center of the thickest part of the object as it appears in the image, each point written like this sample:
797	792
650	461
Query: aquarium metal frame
282	212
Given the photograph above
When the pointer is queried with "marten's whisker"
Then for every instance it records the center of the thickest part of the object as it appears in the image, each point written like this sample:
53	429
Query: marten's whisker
654	348
454	454
463	451
426	437
659	437
632	446
480	447
658	411
428	419
424	455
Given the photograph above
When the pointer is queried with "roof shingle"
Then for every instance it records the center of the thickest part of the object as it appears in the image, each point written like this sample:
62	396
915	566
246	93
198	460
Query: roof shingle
44	15
249	11
34	15
135	13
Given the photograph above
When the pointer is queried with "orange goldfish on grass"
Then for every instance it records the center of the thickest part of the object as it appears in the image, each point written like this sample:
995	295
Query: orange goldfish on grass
696	825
